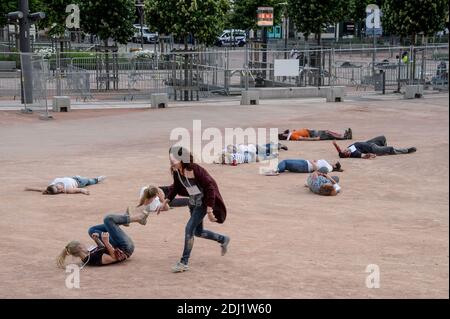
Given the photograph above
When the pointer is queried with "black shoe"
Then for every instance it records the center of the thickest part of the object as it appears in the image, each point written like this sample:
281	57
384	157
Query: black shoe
282	147
412	150
349	134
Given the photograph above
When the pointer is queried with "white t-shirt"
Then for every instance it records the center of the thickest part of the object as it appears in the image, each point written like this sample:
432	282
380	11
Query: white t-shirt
153	206
242	148
310	166
323	163
68	182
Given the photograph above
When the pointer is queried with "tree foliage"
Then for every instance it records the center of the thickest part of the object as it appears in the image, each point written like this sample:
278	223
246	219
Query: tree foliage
409	18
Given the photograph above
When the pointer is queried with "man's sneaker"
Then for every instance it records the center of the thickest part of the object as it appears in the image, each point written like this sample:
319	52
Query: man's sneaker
412	150
282	147
101	179
224	245
349	134
180	267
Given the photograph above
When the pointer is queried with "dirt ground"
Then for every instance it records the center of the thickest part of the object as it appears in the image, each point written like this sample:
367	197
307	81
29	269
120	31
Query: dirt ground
285	241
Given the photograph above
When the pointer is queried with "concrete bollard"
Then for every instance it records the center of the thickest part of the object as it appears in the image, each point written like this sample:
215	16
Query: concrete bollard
413	91
335	94
159	101
61	104
250	97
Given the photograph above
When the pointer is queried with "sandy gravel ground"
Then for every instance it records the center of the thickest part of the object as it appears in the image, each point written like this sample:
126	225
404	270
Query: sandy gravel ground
286	242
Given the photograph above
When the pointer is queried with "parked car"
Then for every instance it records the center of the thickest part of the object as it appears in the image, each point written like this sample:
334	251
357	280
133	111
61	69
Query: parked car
232	38
147	35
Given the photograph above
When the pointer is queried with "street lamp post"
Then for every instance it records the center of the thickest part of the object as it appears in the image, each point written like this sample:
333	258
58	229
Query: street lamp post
140	7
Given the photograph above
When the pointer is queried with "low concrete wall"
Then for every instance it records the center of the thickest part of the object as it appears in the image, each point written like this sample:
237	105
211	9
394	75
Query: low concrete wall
294	92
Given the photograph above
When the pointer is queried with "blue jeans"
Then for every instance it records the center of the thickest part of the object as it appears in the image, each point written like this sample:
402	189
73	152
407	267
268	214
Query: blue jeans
266	151
83	181
194	227
294	166
117	237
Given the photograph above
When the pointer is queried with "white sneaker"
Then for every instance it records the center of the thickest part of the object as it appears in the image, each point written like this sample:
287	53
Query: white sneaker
101	178
180	267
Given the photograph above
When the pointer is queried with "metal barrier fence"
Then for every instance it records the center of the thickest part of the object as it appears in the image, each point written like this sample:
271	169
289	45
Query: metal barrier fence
194	75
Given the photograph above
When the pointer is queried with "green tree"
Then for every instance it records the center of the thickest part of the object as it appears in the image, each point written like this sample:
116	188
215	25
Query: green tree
56	15
203	19
108	19
312	16
356	12
243	15
410	18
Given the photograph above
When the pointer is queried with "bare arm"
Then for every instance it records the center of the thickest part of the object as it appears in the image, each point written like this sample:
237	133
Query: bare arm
33	189
107	244
77	191
337	147
97	240
368	156
162	199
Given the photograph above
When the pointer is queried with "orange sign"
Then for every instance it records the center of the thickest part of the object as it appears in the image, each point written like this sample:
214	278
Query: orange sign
264	16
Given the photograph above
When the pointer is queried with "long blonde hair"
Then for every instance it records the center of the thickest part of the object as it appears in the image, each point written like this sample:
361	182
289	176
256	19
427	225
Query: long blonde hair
72	249
149	192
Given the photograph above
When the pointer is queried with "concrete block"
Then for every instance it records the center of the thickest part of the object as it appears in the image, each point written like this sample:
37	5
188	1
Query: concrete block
335	94
250	97
413	91
159	100
61	104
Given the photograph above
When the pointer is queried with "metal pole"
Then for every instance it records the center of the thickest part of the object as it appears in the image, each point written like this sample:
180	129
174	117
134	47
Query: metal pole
264	53
246	67
399	70
141	9
26	68
58	72
373	53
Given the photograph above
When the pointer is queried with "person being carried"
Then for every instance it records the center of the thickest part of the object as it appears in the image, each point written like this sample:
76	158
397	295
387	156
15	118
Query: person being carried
68	185
305	134
370	149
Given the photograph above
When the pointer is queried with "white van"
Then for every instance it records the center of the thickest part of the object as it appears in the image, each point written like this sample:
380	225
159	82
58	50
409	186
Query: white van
148	36
232	37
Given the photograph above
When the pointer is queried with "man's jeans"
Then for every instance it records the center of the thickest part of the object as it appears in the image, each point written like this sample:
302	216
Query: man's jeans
83	181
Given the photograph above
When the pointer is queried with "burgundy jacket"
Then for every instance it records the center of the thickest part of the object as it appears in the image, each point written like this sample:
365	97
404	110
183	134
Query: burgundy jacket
211	194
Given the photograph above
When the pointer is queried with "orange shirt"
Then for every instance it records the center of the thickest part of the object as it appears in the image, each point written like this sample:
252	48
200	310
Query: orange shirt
296	134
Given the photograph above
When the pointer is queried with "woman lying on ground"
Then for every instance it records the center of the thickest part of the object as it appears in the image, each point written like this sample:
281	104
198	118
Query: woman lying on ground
322	184
68	185
305	166
113	245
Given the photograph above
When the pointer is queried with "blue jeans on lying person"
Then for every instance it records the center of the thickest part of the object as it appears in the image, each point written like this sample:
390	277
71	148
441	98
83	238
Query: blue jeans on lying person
117	237
84	181
294	166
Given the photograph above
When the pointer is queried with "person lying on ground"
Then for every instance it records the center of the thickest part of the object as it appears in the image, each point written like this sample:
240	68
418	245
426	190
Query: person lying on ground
113	245
305	134
305	166
250	153
322	184
68	185
370	149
